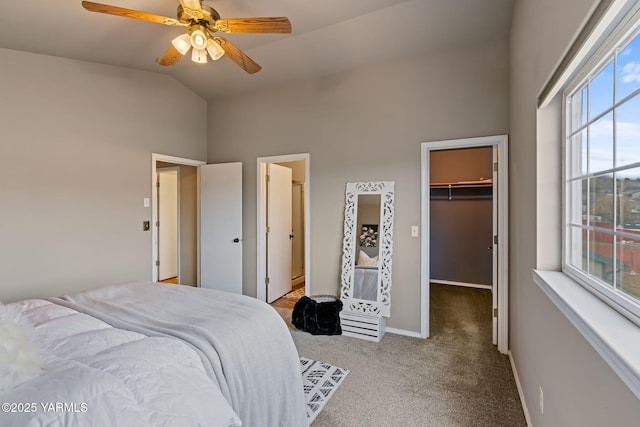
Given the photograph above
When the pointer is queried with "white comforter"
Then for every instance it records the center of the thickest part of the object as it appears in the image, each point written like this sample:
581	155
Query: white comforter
97	375
244	344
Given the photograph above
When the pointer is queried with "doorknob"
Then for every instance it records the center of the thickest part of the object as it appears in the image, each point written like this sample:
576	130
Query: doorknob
236	240
290	236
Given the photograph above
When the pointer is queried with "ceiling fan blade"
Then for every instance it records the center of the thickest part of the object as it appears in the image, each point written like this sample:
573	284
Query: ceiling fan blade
254	25
170	57
128	13
191	4
237	56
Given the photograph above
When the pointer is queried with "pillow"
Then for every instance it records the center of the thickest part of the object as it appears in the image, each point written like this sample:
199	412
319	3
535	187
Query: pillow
20	359
365	261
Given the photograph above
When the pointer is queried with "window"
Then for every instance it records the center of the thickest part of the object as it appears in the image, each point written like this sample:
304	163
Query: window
602	171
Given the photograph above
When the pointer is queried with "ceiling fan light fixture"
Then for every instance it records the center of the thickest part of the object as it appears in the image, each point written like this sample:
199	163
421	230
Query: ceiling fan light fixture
198	40
199	56
215	50
182	43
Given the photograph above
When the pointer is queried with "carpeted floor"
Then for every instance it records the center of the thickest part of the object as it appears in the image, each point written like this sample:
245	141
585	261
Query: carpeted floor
454	378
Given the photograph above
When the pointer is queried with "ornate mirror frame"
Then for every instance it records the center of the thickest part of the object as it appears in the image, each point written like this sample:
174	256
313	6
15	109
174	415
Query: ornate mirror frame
382	306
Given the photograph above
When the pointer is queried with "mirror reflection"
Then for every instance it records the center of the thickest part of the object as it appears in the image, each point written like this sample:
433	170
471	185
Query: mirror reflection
367	244
366	249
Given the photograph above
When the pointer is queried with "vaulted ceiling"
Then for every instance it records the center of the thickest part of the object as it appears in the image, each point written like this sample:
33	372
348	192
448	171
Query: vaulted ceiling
329	36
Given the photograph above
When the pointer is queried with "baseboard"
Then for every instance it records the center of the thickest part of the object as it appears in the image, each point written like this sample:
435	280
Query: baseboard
463	284
404	332
297	281
527	417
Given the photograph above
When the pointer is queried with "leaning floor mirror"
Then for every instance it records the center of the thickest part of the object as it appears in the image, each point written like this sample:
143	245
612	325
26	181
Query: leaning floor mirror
367	248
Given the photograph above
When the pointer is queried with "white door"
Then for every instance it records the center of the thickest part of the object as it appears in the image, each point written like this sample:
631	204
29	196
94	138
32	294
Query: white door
494	275
221	227
167	224
280	234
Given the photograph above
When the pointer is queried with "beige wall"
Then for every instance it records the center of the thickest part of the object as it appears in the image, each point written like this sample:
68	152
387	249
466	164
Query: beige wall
188	225
75	165
363	125
580	389
462	164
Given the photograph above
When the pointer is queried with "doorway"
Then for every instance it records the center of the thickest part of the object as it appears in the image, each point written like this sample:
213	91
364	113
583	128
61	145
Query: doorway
186	219
283	227
168	214
484	196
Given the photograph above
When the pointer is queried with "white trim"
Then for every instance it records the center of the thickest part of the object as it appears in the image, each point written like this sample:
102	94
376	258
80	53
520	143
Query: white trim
461	284
425	214
612	335
523	402
609	20
261	291
501	141
404	332
154	207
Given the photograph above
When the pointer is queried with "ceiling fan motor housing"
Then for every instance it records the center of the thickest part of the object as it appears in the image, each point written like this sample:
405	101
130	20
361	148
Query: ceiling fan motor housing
209	15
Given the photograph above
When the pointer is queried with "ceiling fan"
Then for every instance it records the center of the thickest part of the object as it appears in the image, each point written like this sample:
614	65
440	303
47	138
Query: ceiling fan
201	23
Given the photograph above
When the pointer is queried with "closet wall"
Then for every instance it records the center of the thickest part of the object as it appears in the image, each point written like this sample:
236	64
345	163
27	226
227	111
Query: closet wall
461	230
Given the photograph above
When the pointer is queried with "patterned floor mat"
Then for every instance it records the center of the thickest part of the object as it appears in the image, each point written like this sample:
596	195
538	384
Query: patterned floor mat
320	381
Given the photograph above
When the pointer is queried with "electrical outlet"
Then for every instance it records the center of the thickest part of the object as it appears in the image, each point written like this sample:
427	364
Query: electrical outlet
541	401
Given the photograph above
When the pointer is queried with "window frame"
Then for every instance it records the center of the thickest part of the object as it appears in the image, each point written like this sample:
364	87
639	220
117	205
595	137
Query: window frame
609	46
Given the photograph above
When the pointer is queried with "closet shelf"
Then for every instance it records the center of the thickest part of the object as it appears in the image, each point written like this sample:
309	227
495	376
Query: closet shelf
464	184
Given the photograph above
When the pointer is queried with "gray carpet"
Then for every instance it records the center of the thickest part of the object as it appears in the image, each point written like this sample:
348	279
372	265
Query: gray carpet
454	378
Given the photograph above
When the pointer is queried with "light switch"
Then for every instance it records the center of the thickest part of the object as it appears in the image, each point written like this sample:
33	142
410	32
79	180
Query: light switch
414	231
145	201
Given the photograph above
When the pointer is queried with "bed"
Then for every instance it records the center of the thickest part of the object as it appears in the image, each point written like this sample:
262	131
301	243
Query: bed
148	354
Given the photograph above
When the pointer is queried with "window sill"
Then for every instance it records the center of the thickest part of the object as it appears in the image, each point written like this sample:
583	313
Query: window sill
612	335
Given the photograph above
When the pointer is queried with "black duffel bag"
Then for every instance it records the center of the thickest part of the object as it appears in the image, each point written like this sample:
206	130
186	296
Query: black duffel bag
318	315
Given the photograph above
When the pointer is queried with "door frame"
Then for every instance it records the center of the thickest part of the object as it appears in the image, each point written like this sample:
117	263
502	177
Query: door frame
155	157
261	242
177	170
502	215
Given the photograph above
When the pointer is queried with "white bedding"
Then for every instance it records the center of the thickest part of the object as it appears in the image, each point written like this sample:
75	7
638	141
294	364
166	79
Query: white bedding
365	283
146	354
97	375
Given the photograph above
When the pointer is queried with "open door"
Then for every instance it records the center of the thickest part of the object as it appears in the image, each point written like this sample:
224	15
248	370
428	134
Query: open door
279	234
167	223
221	226
500	226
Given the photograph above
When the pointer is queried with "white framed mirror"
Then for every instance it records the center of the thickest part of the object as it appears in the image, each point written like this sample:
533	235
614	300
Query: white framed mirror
367	247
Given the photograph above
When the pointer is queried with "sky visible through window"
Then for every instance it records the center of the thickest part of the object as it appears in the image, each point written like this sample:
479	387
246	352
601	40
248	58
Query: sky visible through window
627	115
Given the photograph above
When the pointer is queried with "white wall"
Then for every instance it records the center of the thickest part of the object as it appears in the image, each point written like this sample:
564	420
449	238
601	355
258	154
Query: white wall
75	165
579	387
363	125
